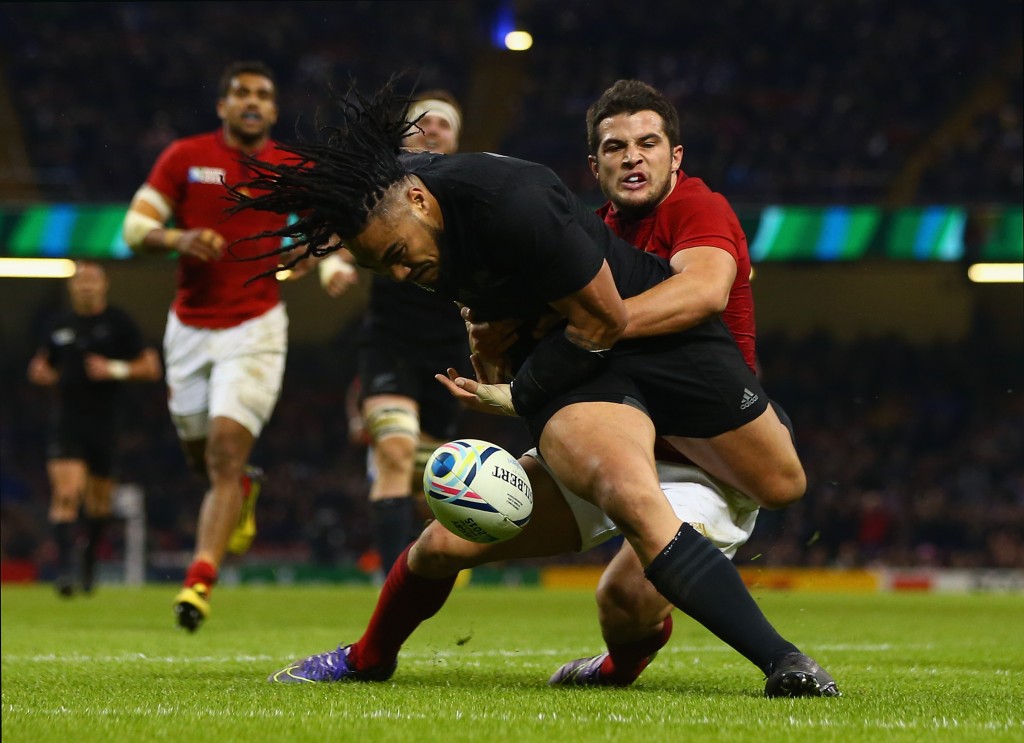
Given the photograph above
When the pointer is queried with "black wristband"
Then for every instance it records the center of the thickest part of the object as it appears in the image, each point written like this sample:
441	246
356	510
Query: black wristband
555	365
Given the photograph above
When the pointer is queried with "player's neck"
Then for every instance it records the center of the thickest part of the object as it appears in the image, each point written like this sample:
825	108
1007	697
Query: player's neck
249	147
88	309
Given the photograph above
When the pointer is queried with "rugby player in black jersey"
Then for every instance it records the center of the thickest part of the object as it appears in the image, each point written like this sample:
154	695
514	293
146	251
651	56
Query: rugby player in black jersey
508	239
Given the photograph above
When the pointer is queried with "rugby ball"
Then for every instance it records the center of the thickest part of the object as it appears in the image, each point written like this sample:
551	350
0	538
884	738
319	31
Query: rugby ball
478	490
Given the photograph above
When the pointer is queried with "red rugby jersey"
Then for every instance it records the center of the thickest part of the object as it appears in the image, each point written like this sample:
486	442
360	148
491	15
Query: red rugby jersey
192	172
692	216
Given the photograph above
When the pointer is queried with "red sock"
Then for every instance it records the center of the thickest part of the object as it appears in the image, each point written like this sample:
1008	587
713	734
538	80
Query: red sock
626	660
201	572
405	601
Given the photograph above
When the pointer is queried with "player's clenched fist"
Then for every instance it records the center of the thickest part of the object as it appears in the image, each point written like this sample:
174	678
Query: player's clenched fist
202	243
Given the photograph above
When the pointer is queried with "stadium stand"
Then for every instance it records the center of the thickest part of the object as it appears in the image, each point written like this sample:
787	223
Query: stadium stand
794	101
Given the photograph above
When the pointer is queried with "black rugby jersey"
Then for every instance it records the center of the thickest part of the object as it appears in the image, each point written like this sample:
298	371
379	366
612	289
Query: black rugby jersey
516	238
111	333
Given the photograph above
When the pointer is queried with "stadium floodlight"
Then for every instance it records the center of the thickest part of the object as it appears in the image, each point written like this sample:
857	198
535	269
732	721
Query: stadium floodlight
36	268
518	41
996	273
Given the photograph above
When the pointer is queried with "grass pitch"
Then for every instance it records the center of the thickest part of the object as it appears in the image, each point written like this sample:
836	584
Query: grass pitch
113	668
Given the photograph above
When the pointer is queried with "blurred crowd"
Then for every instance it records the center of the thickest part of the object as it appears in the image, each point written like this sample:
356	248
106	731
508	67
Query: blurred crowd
788	101
915	457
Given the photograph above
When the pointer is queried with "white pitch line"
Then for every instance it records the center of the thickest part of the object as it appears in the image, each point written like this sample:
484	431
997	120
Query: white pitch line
467	652
617	718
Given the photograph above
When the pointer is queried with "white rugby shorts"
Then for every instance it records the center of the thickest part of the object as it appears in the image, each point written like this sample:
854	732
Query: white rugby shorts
722	514
232	372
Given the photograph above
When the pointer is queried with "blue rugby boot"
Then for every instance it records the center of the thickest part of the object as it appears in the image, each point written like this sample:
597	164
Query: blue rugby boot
326	667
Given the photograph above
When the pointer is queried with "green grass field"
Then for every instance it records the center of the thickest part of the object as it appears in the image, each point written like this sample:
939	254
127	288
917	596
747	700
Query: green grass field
113	668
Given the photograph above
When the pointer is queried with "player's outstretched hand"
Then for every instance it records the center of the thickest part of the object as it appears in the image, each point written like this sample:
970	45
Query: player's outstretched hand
486	398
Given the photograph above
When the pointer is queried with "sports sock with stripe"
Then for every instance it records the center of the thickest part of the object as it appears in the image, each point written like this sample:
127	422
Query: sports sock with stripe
695	576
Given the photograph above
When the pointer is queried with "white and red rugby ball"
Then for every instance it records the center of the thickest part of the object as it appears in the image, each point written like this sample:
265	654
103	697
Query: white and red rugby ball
478	490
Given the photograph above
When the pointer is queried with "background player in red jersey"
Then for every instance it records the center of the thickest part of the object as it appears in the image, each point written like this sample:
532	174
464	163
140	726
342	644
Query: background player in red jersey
225	341
90	349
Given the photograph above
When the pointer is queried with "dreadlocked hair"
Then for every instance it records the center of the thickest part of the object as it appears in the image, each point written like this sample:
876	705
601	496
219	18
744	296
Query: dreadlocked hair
333	183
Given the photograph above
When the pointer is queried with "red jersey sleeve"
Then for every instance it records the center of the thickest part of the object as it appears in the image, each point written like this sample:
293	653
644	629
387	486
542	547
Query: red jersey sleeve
704	219
170	173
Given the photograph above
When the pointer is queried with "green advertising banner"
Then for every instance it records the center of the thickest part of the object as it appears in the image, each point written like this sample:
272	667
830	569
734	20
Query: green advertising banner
775	233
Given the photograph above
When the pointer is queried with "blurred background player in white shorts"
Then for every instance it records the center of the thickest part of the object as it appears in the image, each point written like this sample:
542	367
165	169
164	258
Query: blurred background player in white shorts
227	332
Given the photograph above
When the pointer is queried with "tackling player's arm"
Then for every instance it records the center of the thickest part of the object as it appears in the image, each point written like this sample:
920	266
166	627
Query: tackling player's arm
700	287
596	317
146	232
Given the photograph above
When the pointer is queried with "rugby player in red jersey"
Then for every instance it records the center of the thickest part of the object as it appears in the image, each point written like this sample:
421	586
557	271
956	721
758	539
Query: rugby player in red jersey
636	156
226	339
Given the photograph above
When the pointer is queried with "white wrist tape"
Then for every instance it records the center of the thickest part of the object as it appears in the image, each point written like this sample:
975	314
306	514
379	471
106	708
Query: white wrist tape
155	199
136	227
118	369
331	265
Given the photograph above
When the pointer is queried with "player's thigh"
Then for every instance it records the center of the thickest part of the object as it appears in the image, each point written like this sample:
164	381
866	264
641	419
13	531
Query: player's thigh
721	514
187	367
758	458
245	381
604	452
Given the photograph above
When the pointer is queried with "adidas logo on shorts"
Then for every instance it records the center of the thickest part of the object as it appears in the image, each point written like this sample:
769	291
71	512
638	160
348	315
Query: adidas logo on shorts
749	398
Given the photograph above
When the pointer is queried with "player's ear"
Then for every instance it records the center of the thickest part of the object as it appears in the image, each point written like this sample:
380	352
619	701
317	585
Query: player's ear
593	164
677	157
220	109
418	200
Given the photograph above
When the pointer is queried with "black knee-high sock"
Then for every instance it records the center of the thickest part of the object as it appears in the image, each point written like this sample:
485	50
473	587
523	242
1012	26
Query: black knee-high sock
64	536
695	576
95	527
392	520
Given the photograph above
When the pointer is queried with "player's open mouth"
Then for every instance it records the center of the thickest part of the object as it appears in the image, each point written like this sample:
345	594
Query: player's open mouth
634	181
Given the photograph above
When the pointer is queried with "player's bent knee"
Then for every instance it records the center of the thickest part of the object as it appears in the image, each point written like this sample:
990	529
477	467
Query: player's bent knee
785	490
225	457
395	454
